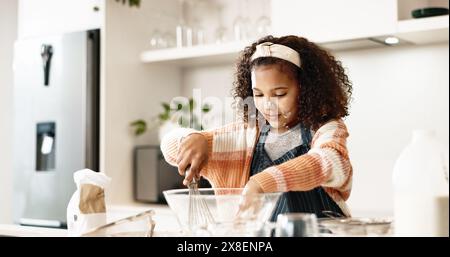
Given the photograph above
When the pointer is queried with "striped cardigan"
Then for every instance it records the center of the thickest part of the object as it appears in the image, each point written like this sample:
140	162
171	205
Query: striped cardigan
230	152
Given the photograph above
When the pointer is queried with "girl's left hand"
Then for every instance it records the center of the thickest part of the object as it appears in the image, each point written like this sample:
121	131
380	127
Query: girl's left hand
252	187
249	200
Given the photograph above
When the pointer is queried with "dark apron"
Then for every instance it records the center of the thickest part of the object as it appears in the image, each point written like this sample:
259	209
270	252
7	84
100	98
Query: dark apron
313	201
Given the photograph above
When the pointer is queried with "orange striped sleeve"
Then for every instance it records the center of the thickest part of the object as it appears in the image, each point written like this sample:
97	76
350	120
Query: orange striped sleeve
227	152
171	142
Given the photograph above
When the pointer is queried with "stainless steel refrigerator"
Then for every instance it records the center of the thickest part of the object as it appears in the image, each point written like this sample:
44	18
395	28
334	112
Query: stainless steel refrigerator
56	122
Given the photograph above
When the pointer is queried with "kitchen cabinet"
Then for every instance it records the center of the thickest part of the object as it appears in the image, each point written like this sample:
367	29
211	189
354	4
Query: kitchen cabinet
423	30
331	20
327	21
56	16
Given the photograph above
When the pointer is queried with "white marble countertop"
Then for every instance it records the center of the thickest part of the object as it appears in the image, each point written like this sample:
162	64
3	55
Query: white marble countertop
27	231
166	222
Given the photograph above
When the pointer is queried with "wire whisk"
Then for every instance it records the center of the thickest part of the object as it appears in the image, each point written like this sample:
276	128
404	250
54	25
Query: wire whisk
199	215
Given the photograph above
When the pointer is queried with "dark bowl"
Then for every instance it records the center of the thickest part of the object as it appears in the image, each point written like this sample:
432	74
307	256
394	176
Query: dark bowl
429	12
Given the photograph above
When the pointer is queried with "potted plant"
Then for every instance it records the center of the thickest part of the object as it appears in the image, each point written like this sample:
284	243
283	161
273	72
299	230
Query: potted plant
131	3
181	116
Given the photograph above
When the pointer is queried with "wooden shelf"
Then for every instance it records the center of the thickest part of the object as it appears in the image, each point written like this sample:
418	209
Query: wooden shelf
196	55
424	30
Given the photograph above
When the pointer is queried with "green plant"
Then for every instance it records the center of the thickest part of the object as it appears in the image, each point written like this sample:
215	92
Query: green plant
131	3
140	126
182	114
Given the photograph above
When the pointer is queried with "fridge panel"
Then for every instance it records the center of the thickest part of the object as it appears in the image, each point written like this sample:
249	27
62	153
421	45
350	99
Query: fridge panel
50	97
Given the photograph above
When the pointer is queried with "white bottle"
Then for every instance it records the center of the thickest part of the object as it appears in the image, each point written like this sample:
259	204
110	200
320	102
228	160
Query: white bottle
421	188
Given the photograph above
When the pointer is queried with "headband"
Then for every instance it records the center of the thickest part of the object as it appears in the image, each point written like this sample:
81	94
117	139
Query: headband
268	49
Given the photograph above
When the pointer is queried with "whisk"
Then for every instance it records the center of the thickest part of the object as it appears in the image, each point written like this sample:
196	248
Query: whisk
199	215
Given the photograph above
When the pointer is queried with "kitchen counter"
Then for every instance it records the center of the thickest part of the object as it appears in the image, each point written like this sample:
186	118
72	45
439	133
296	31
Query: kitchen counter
27	231
166	222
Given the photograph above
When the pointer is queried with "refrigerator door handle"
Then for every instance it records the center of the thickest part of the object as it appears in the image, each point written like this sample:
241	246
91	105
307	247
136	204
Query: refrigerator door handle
46	54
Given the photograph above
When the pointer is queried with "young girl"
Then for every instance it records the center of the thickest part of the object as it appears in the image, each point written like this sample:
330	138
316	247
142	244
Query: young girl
300	92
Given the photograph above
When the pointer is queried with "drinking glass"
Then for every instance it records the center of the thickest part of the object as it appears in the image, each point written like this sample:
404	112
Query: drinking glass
169	39
241	24
156	39
296	225
263	23
183	31
263	26
220	34
199	33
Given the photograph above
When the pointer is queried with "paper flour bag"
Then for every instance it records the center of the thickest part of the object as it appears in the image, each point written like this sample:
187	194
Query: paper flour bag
87	208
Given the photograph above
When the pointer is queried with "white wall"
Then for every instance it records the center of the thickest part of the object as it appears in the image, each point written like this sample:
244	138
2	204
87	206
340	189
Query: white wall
396	89
213	80
8	32
131	90
213	85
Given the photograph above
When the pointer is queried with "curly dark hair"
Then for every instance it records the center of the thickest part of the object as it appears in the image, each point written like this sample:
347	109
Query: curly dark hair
325	88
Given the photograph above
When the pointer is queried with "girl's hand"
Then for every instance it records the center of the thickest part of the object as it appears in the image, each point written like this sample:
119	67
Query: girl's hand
250	202
252	188
193	154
